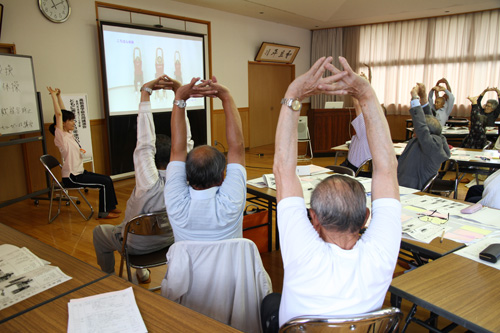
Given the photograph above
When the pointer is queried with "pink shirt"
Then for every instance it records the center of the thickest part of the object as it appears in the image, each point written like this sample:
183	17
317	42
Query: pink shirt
70	152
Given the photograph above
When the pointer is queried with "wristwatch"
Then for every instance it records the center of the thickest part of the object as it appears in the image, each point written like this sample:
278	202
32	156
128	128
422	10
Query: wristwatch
180	103
148	90
293	103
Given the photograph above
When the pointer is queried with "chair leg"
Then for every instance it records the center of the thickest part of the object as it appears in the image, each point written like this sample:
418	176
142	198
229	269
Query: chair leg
77	208
121	265
53	190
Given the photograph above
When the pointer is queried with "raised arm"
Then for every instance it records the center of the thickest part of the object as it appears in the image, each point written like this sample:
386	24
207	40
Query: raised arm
384	176
178	123
234	131
55	95
445	81
146	172
285	155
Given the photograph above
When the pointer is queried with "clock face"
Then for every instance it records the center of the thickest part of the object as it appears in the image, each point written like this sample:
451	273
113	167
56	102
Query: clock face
55	10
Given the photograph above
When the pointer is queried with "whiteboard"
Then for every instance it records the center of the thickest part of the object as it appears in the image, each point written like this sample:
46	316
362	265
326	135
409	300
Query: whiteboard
77	103
18	102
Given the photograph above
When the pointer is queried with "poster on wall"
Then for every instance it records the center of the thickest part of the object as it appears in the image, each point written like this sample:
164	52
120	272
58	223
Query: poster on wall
77	103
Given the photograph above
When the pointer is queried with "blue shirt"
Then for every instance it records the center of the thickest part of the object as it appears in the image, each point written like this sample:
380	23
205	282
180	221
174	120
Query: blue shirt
205	215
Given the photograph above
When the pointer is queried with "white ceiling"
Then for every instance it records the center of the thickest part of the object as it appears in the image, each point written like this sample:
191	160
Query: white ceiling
318	14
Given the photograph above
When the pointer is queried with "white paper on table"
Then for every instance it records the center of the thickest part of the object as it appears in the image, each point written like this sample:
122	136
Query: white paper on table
440	204
257	182
116	311
486	216
18	287
472	251
423	231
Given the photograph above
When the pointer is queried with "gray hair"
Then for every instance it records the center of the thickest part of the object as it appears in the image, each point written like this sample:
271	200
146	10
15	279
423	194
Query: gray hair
493	102
433	124
205	167
340	204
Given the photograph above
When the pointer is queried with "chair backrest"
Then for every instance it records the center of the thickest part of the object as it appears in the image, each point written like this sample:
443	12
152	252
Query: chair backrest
156	223
49	161
224	280
380	321
365	163
428	184
487	145
341	169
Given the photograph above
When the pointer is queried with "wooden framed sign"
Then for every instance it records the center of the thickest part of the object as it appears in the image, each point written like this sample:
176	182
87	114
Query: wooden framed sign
277	53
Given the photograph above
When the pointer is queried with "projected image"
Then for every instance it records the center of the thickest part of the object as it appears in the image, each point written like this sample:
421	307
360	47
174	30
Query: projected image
134	56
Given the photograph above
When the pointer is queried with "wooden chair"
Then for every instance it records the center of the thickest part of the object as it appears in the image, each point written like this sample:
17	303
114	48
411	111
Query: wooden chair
49	162
381	321
341	169
146	225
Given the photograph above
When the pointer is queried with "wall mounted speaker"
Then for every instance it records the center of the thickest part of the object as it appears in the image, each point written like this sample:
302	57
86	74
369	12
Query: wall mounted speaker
302	128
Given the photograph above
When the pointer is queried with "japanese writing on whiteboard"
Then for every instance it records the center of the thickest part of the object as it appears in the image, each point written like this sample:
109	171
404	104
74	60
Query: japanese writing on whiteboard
18	103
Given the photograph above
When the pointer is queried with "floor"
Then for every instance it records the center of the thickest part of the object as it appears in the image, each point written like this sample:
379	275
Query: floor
71	234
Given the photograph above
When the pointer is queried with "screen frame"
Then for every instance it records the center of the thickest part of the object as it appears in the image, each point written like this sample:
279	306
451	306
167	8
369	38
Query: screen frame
144	28
121	155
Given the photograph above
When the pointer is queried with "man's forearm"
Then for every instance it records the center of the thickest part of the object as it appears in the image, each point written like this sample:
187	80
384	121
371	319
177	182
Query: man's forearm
234	132
178	132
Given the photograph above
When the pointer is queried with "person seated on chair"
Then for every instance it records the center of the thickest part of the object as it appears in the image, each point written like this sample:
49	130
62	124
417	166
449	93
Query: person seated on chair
428	148
151	157
73	173
476	139
487	194
491	109
359	151
330	269
443	106
201	203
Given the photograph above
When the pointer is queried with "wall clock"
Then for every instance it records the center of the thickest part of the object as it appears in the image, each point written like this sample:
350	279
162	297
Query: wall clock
57	11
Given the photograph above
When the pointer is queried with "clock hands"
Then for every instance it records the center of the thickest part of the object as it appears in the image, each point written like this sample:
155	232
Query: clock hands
55	4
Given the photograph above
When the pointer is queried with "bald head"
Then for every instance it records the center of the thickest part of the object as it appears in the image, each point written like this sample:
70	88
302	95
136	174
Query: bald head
205	167
340	204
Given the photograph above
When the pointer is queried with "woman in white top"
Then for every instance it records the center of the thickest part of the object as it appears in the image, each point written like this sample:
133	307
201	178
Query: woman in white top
73	173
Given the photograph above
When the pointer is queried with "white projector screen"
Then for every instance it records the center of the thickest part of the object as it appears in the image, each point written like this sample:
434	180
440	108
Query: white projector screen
135	55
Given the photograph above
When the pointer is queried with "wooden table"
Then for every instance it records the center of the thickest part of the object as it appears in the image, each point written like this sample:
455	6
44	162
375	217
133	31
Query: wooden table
81	272
266	197
159	313
459	289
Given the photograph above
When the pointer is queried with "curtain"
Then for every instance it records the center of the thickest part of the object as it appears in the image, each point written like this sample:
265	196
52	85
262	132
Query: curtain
464	49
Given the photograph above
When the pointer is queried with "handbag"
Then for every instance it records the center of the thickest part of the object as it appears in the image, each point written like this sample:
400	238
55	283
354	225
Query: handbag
256	226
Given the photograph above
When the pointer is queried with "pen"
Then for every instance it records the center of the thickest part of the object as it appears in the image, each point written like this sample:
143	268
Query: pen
442	236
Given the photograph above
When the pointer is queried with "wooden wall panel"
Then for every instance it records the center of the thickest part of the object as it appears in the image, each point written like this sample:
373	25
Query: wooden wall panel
397	125
329	128
20	178
219	127
12	172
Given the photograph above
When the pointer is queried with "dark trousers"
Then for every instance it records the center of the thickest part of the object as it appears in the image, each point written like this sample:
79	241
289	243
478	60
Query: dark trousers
269	313
107	196
475	193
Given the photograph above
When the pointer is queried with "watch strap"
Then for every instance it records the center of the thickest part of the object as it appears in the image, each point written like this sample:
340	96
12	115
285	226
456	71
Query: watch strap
146	89
180	103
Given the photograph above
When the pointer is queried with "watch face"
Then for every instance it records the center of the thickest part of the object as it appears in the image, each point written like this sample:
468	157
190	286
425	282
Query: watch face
180	103
55	10
296	105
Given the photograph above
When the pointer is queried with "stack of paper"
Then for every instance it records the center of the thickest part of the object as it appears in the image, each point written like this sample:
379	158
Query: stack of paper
23	274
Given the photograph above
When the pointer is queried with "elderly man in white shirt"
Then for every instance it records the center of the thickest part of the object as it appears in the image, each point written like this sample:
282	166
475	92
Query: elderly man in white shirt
330	269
